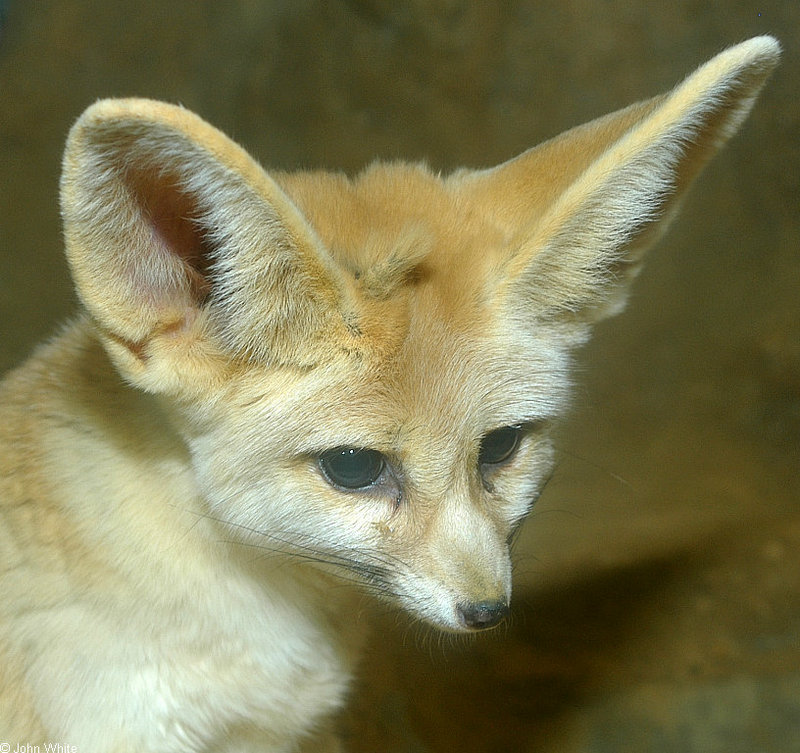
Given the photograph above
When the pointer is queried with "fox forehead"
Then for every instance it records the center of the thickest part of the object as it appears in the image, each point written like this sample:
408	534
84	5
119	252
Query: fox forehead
404	219
450	360
439	389
386	197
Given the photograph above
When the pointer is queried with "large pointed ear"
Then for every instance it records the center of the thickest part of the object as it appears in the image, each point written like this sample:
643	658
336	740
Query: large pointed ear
580	210
168	222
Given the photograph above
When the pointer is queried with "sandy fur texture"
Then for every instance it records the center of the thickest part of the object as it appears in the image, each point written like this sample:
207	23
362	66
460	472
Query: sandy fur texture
178	573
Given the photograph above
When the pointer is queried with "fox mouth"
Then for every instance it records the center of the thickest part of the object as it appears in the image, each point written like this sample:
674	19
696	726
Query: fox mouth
453	612
381	575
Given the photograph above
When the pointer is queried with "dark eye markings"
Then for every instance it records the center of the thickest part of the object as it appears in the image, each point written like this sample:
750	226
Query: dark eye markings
500	445
356	468
352	467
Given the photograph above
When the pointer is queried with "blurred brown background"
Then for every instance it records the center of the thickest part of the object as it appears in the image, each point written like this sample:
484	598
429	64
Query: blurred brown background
657	606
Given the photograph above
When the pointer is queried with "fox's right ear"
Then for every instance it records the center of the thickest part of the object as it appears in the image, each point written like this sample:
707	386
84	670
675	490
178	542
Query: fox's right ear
167	221
580	210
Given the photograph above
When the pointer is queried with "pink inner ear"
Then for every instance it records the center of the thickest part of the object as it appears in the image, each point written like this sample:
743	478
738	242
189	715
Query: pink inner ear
174	216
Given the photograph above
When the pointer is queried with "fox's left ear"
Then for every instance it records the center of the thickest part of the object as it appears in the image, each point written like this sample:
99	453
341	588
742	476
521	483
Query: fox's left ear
581	209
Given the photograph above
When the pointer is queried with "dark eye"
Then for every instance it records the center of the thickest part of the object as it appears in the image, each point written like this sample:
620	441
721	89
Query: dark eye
352	467
499	445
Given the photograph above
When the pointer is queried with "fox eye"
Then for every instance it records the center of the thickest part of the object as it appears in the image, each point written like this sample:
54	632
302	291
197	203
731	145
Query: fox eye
352	467
499	445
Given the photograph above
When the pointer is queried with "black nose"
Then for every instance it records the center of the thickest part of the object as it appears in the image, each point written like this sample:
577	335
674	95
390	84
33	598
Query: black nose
480	615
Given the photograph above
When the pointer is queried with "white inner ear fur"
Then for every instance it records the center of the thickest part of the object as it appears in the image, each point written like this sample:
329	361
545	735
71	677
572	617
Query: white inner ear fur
156	202
165	218
578	258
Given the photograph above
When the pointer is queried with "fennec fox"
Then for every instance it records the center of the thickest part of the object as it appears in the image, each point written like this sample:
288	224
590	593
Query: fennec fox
286	390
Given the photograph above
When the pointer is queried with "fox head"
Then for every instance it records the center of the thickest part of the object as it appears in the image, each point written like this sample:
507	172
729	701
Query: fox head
364	370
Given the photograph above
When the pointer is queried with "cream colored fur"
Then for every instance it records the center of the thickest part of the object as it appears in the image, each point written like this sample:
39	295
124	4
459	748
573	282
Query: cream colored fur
177	572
